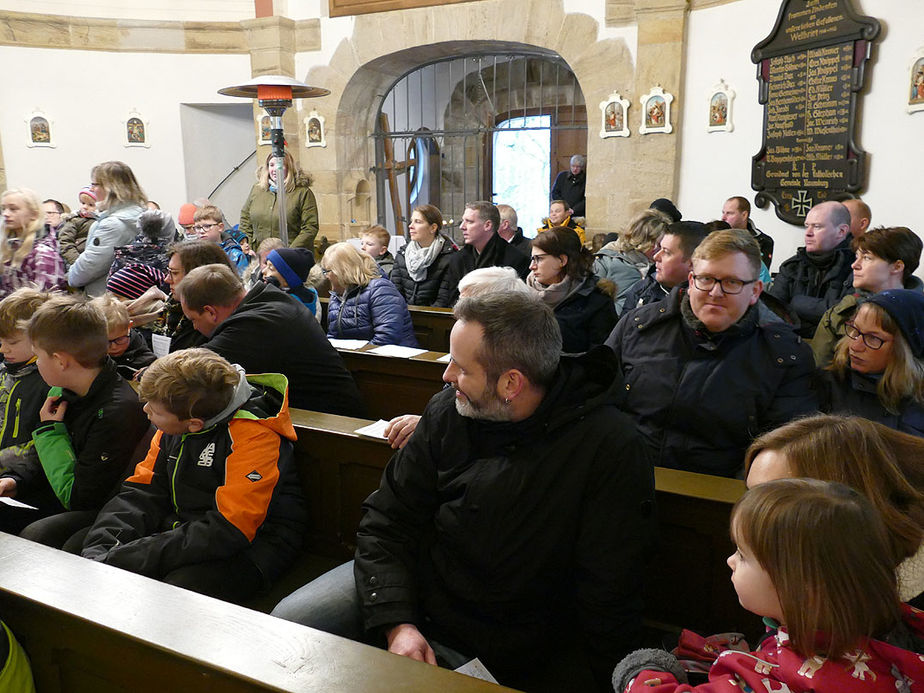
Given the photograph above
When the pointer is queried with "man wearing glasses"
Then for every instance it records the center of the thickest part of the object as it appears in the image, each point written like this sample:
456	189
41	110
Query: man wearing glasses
704	373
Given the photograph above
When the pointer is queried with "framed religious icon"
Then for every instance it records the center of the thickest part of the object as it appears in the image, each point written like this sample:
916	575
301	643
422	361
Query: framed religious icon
721	97
656	111
916	82
136	130
614	116
314	130
266	129
40	130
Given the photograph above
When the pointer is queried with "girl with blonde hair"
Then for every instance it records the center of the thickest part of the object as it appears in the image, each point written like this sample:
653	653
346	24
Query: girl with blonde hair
26	259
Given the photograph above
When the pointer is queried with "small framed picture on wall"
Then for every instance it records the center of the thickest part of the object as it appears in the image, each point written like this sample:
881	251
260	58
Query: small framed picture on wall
39	130
916	82
265	126
614	116
656	112
314	130
721	97
136	130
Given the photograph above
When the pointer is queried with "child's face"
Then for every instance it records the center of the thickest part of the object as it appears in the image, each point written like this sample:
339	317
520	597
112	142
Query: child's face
87	205
49	367
16	214
119	339
166	421
371	246
756	592
209	230
16	348
270	271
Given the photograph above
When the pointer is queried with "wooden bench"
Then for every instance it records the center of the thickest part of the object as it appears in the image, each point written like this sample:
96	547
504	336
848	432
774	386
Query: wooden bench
688	582
431	325
92	628
391	385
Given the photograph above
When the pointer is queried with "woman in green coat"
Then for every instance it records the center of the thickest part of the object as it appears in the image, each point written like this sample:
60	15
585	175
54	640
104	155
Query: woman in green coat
259	216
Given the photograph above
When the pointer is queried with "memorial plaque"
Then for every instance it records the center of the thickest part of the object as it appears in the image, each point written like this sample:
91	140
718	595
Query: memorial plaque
810	70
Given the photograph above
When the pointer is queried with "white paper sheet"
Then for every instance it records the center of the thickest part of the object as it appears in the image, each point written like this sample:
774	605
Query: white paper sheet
160	345
444	358
16	504
476	670
401	351
347	343
374	430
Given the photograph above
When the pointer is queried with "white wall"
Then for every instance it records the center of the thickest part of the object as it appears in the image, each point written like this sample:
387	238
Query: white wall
715	166
182	10
87	95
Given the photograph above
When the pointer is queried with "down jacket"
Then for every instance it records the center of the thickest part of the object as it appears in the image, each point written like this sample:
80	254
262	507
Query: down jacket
422	293
509	538
206	496
623	268
700	399
114	227
375	312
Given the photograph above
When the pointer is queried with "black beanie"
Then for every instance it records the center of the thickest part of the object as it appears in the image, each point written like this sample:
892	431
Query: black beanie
662	204
906	307
293	264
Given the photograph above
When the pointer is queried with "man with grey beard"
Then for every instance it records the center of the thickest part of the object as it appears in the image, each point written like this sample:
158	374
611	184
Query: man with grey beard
513	525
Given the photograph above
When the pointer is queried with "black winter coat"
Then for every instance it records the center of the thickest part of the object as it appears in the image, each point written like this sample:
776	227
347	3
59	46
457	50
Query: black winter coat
496	253
700	400
570	188
270	332
585	318
508	538
422	293
644	292
811	286
855	394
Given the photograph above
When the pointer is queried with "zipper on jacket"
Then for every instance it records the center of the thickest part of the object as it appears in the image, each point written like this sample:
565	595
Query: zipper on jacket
6	412
16	420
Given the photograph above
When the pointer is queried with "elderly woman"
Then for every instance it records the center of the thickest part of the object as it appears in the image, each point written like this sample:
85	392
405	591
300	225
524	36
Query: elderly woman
363	303
25	258
878	367
260	217
560	275
628	259
883	464
120	201
421	264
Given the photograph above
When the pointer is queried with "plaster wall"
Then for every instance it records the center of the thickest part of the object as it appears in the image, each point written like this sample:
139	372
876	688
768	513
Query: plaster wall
715	166
185	10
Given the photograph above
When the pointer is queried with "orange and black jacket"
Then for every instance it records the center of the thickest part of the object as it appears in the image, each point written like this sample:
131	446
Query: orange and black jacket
231	487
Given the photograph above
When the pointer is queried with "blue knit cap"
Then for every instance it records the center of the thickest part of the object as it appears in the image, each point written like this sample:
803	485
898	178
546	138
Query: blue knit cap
906	307
293	264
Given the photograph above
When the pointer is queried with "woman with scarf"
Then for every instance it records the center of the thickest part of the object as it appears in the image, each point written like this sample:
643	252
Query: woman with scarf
561	275
421	264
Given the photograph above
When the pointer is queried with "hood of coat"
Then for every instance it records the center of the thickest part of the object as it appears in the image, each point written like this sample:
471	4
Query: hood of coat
262	398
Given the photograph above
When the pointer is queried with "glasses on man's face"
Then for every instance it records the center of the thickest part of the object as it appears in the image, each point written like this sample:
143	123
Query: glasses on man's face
199	228
729	285
870	340
119	341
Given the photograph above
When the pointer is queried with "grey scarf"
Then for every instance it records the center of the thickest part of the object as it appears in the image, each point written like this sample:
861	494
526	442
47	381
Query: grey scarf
419	259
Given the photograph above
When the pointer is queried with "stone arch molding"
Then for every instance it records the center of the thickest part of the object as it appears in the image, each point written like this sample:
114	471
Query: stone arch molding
385	46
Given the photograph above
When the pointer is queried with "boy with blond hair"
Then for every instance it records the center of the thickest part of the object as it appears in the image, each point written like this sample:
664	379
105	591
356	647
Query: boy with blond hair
91	423
216	506
22	390
126	345
374	242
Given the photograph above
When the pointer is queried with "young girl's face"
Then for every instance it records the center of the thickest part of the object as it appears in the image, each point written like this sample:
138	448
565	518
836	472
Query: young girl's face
16	214
756	592
87	205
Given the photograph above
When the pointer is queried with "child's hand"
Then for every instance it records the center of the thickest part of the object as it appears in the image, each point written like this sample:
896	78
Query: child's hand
53	409
8	487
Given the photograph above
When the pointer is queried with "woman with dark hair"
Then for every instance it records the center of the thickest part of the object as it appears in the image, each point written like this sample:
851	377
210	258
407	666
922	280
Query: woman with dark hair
561	275
119	201
421	264
259	216
883	464
878	367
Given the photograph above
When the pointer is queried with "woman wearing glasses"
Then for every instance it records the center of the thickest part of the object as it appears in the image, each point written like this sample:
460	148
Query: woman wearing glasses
878	367
561	275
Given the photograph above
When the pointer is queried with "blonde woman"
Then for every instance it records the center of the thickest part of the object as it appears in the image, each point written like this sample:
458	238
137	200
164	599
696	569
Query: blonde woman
26	259
259	216
363	303
120	201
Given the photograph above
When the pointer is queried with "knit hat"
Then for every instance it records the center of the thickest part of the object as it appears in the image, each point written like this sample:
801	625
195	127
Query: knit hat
292	263
88	191
187	213
662	204
906	308
133	280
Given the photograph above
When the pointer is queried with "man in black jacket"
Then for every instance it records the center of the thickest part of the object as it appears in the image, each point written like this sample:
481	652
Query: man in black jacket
513	524
705	372
510	232
812	280
267	331
569	185
483	248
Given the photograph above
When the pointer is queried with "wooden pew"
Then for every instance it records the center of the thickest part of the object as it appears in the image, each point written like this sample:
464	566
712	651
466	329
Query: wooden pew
92	628
392	385
431	325
688	582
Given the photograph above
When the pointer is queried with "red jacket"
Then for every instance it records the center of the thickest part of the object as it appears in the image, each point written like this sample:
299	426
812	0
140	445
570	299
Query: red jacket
878	668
